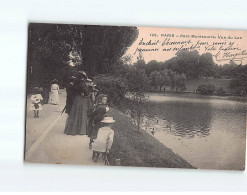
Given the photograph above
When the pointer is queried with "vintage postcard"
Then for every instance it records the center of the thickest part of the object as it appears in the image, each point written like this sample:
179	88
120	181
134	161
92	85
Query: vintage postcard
136	96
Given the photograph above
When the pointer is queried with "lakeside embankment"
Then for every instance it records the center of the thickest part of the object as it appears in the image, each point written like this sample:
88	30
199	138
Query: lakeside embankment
193	94
140	149
192	85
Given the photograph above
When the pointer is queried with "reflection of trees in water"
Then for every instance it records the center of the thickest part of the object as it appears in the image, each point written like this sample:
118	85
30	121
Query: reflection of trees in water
187	119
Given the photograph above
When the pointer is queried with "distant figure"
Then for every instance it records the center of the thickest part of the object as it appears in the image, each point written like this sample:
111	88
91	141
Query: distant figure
242	92
36	99
54	98
103	143
153	131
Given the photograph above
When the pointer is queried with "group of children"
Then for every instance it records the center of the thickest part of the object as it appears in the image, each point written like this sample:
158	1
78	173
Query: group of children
99	125
100	129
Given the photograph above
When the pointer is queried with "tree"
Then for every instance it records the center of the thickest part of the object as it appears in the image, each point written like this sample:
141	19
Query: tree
94	49
188	62
182	80
101	47
140	63
157	79
47	53
239	82
172	78
138	85
126	59
151	66
166	79
206	65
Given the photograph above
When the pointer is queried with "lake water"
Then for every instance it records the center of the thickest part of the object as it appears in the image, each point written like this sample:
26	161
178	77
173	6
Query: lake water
209	132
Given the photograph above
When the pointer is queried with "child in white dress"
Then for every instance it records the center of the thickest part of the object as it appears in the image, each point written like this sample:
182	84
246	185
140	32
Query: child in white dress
102	144
36	99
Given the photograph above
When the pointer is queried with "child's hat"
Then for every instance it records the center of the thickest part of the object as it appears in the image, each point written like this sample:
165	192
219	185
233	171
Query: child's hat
108	120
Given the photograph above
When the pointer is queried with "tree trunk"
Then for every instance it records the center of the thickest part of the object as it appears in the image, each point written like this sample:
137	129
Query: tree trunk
138	119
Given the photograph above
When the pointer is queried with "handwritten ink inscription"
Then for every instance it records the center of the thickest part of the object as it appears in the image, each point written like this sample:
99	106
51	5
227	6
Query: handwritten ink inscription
223	48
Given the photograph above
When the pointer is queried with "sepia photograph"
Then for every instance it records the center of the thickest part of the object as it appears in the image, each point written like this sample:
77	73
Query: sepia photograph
131	96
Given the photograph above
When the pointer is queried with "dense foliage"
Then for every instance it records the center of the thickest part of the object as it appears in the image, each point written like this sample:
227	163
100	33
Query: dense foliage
58	51
239	82
94	49
115	87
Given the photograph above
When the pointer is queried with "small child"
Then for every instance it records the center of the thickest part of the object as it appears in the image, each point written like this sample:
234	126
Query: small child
36	99
102	144
96	117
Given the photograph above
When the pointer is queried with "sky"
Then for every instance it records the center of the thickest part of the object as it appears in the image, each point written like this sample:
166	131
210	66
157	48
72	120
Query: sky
162	44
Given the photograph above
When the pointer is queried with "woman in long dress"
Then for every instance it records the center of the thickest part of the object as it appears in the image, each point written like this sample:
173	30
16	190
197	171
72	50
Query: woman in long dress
77	121
54	98
70	94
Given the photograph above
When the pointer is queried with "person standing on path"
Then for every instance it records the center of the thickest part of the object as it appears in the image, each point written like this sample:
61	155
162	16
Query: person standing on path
70	97
77	121
70	94
54	98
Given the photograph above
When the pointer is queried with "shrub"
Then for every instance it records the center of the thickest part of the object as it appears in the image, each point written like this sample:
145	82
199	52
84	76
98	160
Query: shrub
220	91
114	87
205	89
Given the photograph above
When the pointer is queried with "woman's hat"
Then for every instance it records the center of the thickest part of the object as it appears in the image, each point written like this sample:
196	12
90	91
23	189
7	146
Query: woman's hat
54	80
108	120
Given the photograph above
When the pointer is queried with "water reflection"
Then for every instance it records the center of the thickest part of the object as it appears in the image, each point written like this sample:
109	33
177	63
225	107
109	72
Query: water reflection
209	132
185	119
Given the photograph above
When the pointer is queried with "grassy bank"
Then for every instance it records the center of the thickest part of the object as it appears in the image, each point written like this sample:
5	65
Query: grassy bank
140	149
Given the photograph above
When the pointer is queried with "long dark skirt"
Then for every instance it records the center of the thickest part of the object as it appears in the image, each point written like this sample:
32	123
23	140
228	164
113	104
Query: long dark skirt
77	121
